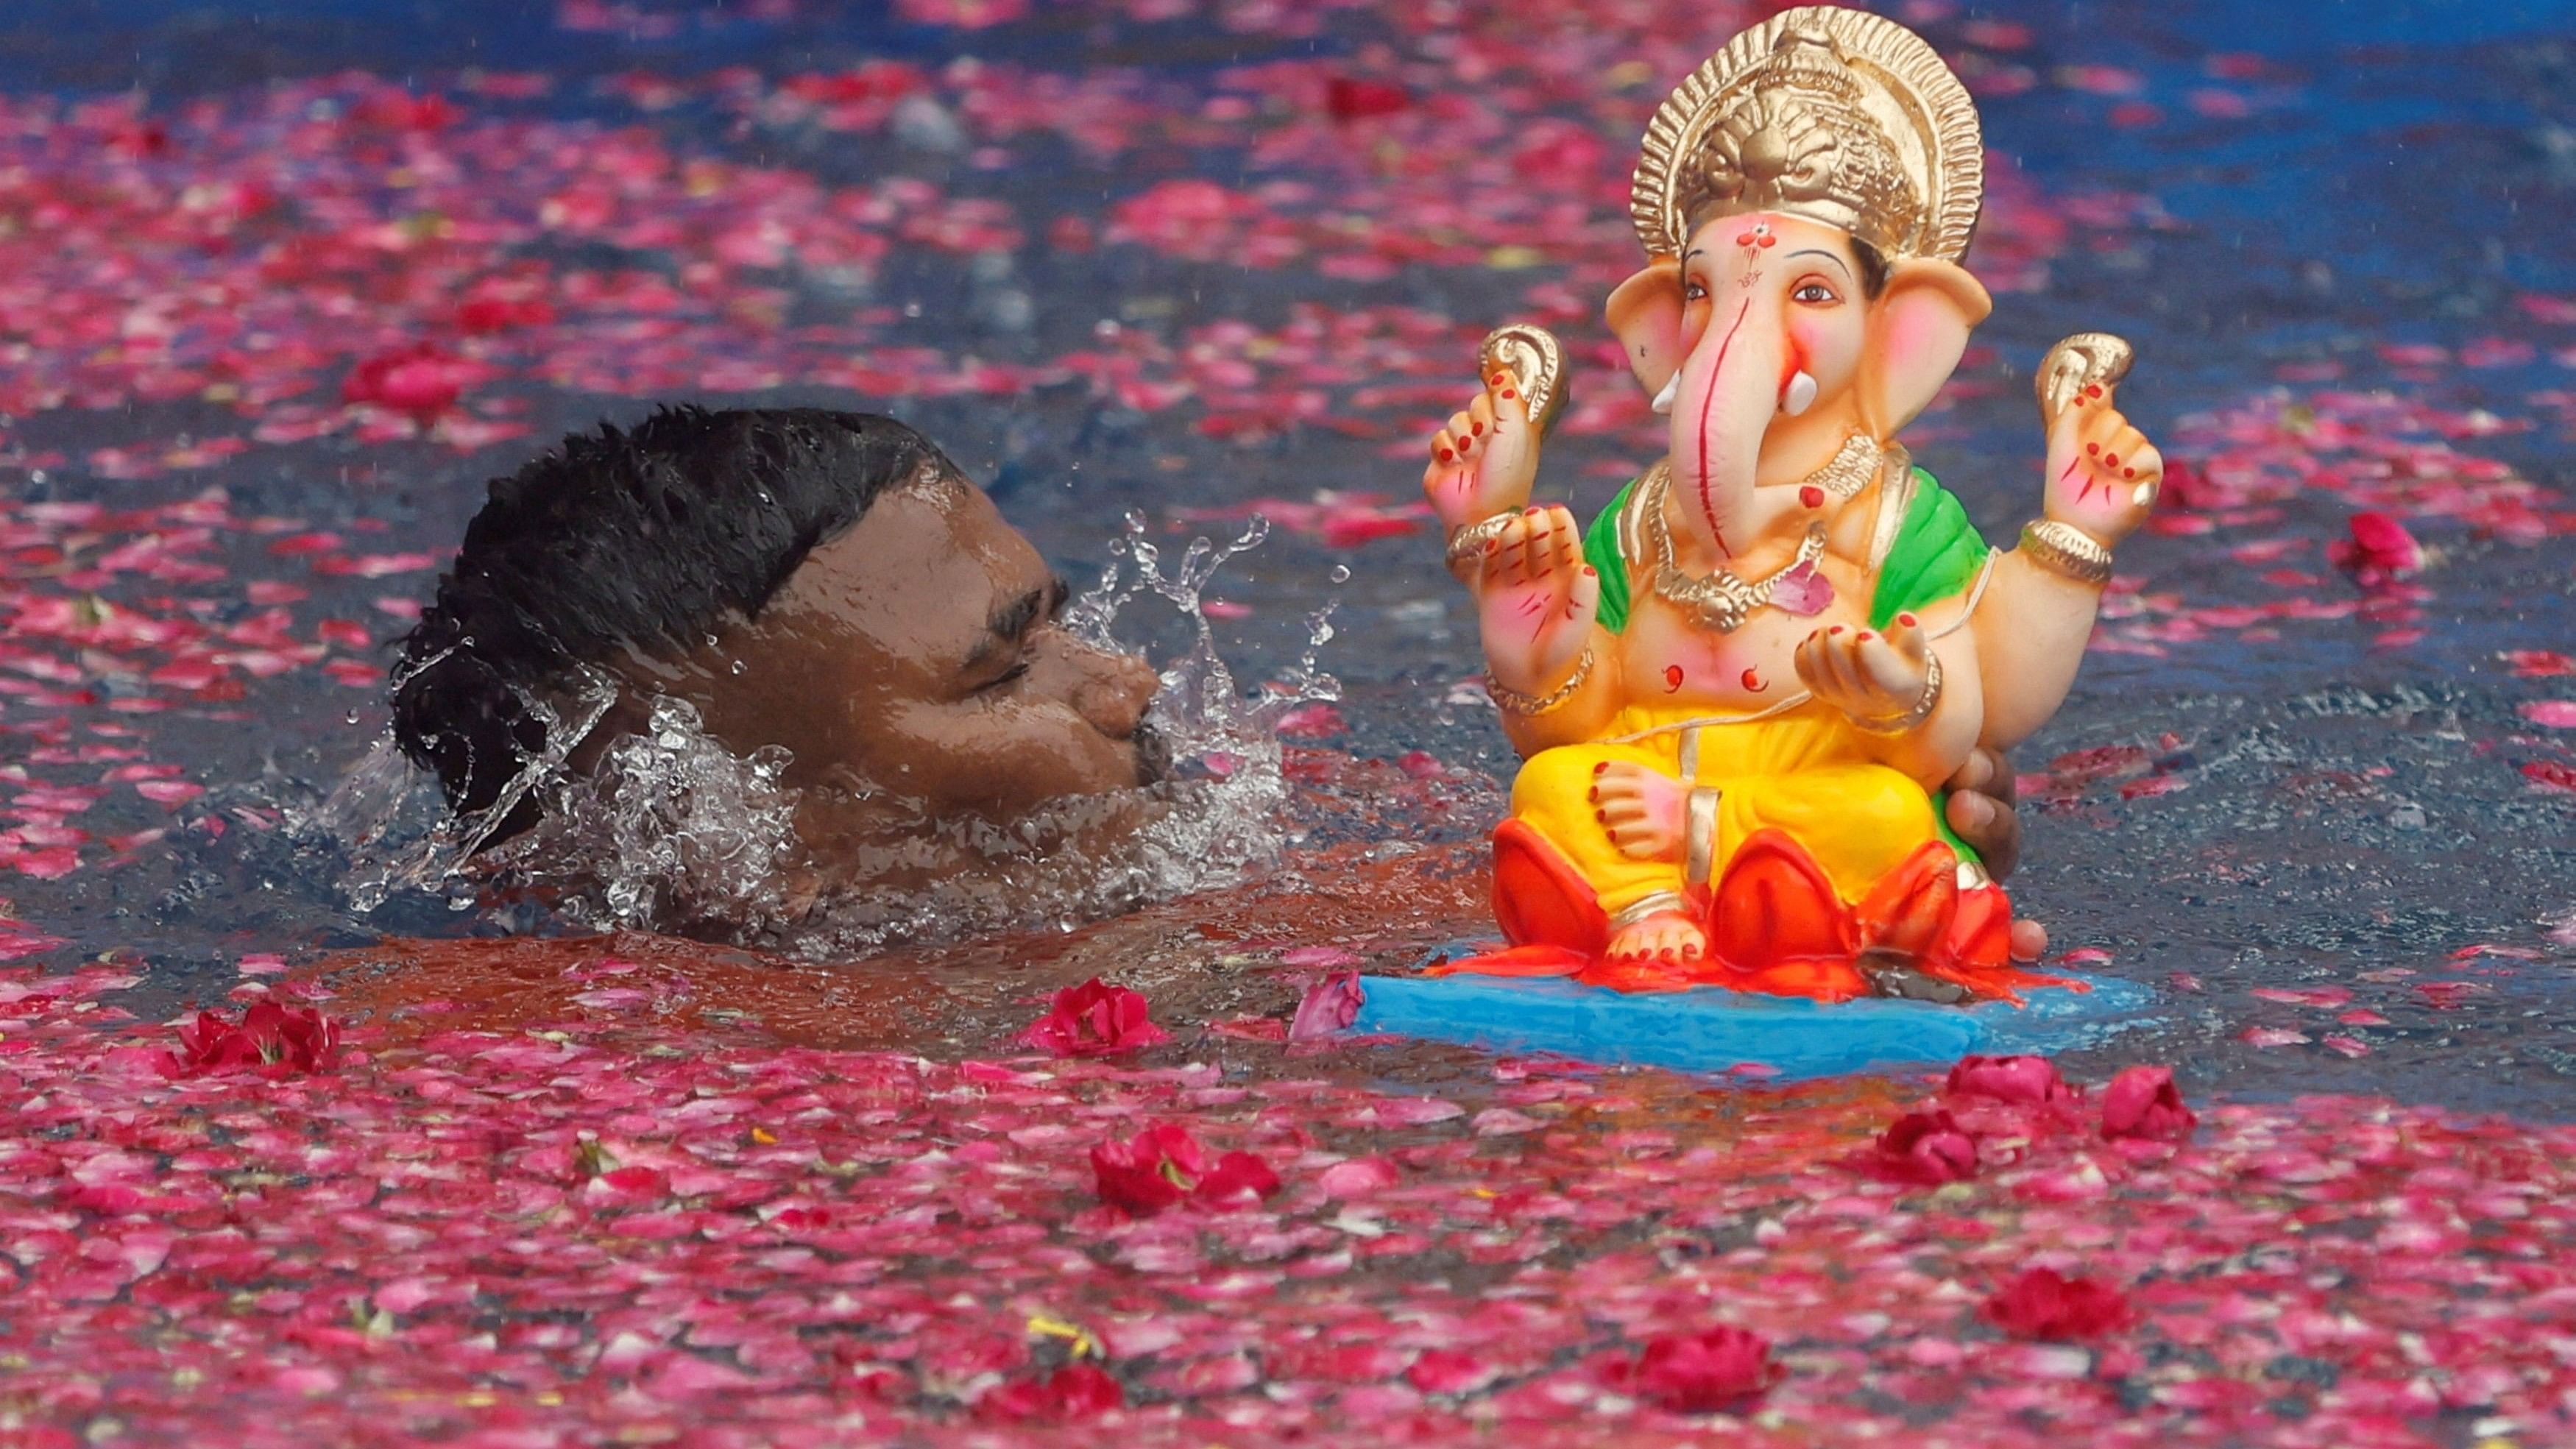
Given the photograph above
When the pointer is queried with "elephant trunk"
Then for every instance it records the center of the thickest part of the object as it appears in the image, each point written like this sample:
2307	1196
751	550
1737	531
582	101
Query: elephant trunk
1735	381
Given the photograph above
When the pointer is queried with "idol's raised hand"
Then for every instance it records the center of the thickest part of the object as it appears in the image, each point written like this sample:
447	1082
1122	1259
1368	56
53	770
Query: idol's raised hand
1484	461
1535	600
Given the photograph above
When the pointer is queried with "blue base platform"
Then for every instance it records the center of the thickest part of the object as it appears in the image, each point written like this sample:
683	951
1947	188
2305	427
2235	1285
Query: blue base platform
1711	1029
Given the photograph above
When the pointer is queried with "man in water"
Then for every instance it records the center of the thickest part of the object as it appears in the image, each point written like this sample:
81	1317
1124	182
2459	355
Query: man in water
821	582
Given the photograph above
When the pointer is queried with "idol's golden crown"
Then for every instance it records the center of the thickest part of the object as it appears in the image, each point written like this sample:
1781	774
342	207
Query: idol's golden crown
1834	115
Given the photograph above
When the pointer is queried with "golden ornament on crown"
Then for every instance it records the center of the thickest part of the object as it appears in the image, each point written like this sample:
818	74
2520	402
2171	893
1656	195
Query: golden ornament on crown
1834	115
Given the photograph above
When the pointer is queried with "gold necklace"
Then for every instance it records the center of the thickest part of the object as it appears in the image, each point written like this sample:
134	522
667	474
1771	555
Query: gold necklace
1724	600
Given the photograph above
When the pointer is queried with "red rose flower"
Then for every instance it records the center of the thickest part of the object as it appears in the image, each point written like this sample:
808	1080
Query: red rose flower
2380	549
1238	1180
419	380
1927	1148
1352	99
1708	1372
1076	1391
1094	1019
2043	1304
2143	1102
2031	1080
274	1040
2186	487
1164	1164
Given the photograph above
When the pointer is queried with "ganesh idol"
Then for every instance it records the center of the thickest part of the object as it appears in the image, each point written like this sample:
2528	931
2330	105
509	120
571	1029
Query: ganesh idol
1738	691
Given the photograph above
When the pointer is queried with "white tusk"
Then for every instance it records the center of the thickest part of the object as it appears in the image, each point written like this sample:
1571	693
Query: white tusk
1801	394
1663	403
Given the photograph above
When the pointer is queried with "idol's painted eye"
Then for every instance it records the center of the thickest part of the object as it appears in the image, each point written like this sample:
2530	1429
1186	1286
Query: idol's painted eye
1694	292
1814	294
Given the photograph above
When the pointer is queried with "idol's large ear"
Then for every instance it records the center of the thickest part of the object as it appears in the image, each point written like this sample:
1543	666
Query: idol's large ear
1918	327
1646	313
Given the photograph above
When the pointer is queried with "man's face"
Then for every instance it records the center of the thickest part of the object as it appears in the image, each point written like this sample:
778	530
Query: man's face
920	652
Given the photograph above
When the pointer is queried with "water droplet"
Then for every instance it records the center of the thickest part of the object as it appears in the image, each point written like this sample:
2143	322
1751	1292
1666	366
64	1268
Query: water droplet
1341	574
740	668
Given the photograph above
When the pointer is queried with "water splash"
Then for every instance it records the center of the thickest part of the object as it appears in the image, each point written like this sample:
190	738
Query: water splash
669	830
393	822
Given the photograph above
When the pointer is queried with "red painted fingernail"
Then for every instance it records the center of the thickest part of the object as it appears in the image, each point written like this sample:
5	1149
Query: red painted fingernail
2093	391
1836	629
2128	472
1812	496
2110	460
1601	815
1508	393
1500	378
1906	619
1589	571
1601	769
2079	402
2094	448
1534	510
1447	456
1865	637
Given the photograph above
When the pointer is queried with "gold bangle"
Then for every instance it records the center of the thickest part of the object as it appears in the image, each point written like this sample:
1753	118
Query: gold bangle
1467	545
1654	903
1512	701
2066	551
1930	700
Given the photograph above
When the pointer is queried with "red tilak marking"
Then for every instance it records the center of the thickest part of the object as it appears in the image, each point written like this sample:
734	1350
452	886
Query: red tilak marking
1753	682
1672	678
1707	403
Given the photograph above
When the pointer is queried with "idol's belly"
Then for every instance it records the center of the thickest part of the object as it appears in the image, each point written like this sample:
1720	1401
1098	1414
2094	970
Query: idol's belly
1667	662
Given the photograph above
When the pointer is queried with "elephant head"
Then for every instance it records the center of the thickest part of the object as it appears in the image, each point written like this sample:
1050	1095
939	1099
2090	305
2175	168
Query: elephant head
1770	341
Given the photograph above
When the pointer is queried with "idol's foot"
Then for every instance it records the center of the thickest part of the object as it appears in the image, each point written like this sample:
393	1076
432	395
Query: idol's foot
1665	935
1640	808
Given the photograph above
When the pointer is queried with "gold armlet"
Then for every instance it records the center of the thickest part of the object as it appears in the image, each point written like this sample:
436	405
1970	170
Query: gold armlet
2066	551
1467	545
1512	701
1930	700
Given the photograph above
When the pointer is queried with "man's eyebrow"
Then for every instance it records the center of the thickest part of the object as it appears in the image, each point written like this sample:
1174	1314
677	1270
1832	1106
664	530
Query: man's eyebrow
1828	256
1012	621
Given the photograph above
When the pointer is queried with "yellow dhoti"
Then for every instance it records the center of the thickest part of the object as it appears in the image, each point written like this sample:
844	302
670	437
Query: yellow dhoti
1806	773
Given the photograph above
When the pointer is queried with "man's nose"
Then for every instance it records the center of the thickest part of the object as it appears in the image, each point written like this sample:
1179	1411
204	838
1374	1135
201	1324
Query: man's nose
1116	692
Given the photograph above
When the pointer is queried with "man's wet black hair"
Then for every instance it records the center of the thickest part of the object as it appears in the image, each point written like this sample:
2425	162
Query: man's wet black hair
644	539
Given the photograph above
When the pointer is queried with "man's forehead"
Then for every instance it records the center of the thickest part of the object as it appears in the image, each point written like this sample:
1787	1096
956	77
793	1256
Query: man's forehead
931	562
